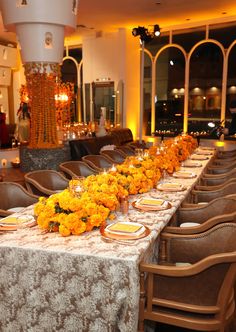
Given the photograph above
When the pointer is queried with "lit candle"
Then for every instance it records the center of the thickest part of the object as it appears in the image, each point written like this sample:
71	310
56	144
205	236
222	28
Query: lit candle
4	163
93	127
113	168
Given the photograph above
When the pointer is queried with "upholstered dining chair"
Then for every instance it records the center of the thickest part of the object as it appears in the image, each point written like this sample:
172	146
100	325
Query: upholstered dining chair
216	179
14	196
45	182
98	162
126	150
220	169
200	213
226	154
215	187
198	196
223	161
195	287
75	168
116	156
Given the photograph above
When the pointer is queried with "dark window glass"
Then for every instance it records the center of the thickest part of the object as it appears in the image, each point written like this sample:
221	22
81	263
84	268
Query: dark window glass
231	85
157	43
147	95
189	37
76	53
206	68
225	34
169	103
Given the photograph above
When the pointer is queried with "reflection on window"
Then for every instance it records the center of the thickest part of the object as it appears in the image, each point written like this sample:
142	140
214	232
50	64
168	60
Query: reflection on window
147	95
169	106
231	84
206	69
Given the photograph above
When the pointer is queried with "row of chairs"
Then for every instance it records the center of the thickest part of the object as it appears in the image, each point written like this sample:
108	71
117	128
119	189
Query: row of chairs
193	283
47	182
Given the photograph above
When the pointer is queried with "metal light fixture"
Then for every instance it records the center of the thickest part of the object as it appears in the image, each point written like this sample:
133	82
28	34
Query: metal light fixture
145	35
157	30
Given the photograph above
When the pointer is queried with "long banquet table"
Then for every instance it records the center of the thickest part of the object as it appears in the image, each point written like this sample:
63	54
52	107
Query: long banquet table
78	283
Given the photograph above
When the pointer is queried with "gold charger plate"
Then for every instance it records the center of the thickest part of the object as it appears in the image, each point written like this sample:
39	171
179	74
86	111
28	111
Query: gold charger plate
184	175
152	208
119	236
199	157
164	187
192	165
13	223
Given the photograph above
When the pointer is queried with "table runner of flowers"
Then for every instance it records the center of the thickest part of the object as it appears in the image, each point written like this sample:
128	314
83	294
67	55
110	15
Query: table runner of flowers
89	202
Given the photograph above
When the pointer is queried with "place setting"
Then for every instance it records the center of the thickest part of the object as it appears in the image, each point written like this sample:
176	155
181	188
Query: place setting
170	186
13	223
151	204
182	174
199	157
123	232
191	164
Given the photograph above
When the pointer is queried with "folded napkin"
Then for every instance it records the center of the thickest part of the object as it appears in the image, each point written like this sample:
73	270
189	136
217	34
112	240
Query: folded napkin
199	157
151	202
184	174
128	228
171	185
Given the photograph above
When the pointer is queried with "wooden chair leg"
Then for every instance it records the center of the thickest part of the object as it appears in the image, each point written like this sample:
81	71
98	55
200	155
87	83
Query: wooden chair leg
162	251
141	303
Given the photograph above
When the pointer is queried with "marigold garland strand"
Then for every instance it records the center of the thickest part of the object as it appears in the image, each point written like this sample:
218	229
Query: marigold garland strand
41	85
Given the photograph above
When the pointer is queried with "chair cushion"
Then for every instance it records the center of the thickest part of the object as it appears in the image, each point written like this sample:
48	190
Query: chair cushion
189	224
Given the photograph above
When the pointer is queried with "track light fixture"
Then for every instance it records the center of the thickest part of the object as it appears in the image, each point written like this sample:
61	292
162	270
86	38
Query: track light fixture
145	35
156	30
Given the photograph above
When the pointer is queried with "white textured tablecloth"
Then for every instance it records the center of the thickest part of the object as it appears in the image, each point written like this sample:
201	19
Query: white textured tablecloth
78	283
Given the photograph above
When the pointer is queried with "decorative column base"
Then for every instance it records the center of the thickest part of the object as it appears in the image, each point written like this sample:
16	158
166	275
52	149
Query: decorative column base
35	159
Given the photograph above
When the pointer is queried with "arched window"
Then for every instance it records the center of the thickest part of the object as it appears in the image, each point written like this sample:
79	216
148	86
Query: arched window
205	85
231	83
170	83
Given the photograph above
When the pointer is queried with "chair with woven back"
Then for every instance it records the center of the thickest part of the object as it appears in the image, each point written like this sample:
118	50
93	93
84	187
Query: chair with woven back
215	187
199	213
128	151
98	162
76	168
224	154
197	196
194	287
216	179
223	161
220	169
116	156
45	182
14	197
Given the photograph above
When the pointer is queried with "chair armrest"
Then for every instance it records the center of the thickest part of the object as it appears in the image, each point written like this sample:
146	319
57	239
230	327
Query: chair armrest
190	270
231	217
4	213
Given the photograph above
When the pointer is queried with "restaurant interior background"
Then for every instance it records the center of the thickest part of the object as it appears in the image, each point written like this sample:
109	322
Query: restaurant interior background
188	71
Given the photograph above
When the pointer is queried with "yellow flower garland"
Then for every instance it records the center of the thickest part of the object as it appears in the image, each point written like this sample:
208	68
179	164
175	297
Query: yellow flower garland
88	203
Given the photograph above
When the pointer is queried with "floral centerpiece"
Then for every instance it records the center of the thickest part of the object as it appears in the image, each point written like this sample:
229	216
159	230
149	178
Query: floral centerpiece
88	203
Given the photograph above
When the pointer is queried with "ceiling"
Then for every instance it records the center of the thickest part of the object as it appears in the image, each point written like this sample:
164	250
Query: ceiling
109	15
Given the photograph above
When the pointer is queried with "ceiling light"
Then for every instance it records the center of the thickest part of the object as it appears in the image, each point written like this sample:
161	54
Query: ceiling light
139	31
157	31
145	35
172	63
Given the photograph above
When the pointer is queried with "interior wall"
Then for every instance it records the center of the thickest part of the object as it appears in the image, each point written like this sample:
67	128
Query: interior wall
116	56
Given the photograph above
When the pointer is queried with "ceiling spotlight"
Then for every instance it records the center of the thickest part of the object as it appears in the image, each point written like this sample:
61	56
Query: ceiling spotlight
139	31
157	31
145	35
